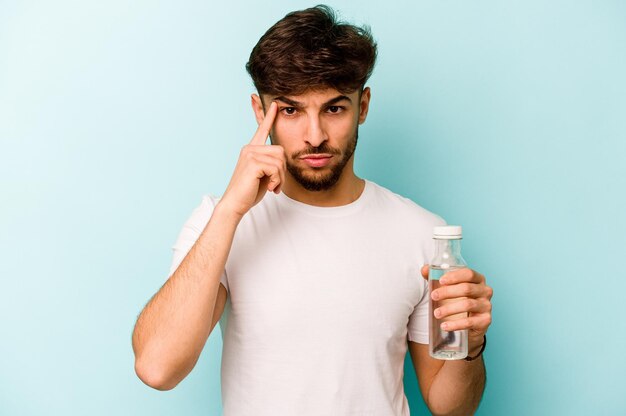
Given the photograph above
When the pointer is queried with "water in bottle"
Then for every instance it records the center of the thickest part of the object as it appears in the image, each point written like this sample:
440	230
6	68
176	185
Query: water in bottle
445	345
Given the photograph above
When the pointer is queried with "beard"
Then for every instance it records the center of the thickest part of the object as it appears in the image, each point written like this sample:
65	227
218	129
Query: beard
322	179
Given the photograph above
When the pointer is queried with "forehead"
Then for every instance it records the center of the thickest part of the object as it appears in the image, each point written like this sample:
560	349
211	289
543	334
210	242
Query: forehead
313	97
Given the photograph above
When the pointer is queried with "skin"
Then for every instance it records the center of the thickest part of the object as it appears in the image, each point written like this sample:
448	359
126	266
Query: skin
173	327
318	118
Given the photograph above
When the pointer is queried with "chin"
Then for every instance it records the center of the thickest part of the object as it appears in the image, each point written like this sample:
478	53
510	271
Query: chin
318	180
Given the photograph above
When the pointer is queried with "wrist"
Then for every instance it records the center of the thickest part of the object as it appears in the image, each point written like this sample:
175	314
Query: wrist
474	349
224	211
475	352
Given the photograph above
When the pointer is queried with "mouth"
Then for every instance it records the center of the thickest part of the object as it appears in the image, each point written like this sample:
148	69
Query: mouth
317	160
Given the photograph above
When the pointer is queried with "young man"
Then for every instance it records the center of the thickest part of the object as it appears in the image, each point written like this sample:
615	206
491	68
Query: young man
317	282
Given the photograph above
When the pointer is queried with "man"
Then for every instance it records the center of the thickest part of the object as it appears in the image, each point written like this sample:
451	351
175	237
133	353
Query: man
316	282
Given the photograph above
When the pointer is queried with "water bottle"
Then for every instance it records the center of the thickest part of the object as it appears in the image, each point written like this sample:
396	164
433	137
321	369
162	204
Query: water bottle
445	345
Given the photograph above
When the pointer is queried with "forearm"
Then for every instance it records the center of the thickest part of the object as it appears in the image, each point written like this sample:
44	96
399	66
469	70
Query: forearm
457	388
173	327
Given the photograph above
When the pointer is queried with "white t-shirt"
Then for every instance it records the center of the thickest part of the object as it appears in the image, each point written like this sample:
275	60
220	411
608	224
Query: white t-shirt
321	301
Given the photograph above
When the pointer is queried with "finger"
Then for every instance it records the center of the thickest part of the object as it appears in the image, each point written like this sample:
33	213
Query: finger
278	152
463	306
277	165
478	323
274	154
265	127
282	176
461	275
425	270
273	150
271	172
460	290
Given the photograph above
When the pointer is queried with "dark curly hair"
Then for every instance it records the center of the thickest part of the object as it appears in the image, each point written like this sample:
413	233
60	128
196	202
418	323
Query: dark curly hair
310	49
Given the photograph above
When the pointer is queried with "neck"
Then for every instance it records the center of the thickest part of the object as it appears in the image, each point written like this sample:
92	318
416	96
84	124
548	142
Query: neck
348	189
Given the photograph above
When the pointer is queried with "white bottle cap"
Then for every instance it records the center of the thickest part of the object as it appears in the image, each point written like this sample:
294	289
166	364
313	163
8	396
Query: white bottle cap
448	232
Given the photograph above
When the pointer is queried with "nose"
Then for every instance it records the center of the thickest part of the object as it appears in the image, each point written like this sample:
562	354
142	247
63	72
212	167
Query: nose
315	134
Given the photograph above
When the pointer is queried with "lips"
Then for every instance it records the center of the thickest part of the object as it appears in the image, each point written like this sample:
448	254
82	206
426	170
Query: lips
317	160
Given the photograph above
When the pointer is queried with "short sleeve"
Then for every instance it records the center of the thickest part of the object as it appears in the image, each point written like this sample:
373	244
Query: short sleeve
418	321
190	233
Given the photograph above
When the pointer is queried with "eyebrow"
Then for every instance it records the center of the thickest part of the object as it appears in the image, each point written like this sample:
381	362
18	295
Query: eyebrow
298	104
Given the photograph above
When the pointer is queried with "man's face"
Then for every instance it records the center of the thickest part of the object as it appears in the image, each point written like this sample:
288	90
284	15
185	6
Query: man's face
318	131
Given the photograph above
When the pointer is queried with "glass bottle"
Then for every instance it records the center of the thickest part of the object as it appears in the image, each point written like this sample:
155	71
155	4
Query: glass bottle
445	345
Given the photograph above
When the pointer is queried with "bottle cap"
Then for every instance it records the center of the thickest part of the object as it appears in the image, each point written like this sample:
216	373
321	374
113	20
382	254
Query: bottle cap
448	232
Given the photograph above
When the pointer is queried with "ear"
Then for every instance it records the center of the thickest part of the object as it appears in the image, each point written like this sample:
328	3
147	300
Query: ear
364	105
258	108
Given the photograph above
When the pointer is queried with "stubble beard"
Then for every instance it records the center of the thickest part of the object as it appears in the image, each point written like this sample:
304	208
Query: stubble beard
322	179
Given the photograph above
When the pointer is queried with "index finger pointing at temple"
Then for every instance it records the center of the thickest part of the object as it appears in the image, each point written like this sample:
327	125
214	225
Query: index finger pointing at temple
263	131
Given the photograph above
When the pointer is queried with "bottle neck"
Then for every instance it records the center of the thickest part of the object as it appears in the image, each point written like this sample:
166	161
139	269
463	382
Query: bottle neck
449	246
448	253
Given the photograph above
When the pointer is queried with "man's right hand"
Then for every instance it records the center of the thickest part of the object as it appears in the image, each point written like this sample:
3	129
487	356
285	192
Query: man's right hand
260	168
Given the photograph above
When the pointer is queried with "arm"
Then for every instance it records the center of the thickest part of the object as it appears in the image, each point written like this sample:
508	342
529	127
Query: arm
456	387
448	387
173	327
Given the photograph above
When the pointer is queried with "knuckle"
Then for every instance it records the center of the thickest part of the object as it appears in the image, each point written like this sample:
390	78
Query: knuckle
248	154
470	304
489	292
466	289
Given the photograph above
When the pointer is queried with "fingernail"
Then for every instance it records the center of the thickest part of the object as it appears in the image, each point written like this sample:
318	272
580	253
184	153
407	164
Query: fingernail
444	326
437	313
443	281
435	295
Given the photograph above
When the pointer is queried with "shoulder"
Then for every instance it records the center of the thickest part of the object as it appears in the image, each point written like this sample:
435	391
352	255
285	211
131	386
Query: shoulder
404	208
202	212
209	201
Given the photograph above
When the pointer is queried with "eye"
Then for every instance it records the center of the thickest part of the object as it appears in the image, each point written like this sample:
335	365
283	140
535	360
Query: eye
335	109
288	110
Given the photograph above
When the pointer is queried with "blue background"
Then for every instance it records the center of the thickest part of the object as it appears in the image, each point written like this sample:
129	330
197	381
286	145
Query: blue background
508	117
